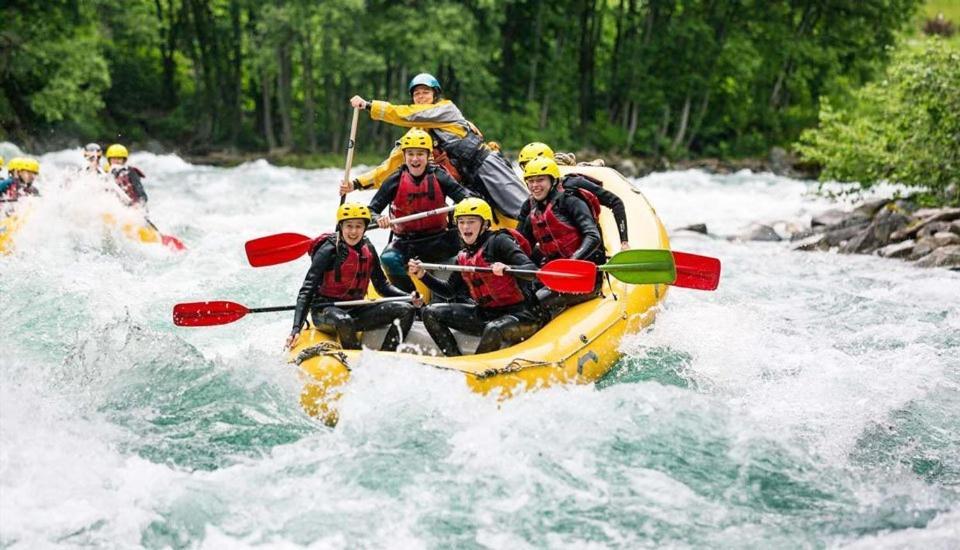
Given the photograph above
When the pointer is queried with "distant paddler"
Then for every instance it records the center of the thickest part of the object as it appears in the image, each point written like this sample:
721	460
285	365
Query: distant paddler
459	146
128	177
22	174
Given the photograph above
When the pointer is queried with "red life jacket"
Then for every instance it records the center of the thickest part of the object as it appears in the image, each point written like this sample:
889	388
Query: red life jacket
487	289
413	198
123	180
441	159
558	239
349	278
12	193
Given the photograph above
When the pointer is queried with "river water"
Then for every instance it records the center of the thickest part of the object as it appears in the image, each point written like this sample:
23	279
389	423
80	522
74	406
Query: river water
812	401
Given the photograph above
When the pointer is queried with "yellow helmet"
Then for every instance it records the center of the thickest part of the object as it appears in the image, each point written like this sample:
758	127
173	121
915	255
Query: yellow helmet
541	166
117	151
30	165
534	150
353	211
1	162
416	139
473	207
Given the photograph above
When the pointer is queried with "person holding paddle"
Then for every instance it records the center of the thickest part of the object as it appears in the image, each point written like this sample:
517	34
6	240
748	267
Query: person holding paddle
128	177
505	309
484	171
344	263
560	224
417	187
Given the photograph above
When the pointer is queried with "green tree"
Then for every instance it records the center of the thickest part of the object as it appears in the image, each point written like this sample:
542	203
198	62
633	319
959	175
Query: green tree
904	128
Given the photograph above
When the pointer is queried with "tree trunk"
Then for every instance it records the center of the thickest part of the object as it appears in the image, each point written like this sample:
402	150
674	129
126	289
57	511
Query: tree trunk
310	114
284	96
682	126
265	81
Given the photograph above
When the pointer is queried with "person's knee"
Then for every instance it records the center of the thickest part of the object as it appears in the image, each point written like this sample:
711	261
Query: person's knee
394	262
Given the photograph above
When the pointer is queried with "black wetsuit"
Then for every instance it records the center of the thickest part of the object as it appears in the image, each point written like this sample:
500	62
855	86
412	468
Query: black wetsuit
129	179
606	198
574	211
346	322
432	247
496	326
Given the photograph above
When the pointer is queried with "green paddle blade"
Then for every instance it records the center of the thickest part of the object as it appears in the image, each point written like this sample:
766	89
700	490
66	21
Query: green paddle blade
642	267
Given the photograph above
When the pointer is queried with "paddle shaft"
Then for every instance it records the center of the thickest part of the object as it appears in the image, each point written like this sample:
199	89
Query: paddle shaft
351	144
417	216
474	269
344	303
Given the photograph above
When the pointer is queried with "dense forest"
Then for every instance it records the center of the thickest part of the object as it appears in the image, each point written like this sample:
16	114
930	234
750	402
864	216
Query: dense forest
658	77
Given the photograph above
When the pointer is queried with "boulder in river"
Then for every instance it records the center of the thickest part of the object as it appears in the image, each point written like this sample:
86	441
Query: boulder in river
811	242
759	232
828	217
897	250
945	256
696	228
877	234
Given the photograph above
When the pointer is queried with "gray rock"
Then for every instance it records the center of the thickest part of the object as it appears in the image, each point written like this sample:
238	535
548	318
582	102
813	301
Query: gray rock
759	232
628	168
786	229
927	216
932	228
836	237
696	228
779	160
923	247
945	238
946	256
812	242
955	227
897	250
829	217
877	234
807	233
870	208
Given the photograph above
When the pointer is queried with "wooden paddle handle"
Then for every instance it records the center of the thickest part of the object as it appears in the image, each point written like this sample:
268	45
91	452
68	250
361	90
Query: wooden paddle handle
351	144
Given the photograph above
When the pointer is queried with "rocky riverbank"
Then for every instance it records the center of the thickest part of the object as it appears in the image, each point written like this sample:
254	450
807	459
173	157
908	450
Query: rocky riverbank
928	237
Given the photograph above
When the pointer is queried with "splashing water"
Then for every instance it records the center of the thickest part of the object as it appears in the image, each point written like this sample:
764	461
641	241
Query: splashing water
811	401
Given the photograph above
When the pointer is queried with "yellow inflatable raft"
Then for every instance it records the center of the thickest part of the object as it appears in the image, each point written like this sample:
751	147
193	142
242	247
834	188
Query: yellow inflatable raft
578	346
133	231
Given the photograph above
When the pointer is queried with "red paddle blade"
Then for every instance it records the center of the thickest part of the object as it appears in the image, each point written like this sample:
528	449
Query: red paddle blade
277	249
172	242
205	314
569	276
697	272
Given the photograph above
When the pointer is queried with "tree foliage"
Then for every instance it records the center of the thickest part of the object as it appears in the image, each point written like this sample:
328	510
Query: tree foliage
903	128
651	77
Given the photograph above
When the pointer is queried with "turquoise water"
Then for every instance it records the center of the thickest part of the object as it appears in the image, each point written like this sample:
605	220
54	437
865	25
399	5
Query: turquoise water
812	401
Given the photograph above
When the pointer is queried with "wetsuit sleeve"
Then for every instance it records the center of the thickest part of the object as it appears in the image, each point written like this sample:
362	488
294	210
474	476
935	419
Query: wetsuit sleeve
523	222
137	184
451	188
506	250
380	281
608	199
385	194
443	115
322	260
578	212
375	178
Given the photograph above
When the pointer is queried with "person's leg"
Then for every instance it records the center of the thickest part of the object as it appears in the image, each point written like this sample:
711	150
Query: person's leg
394	261
502	185
438	248
554	302
334	320
386	314
438	319
506	330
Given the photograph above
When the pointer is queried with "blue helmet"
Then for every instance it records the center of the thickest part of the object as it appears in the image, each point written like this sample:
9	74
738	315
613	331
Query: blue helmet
424	79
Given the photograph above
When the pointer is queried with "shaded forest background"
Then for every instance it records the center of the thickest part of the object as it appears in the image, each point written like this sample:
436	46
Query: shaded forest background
672	78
